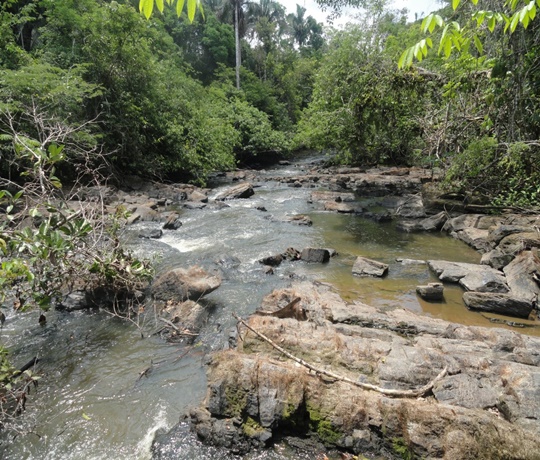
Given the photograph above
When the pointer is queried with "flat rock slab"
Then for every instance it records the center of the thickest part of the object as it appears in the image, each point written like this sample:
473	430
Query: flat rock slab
503	304
243	190
429	224
473	277
367	267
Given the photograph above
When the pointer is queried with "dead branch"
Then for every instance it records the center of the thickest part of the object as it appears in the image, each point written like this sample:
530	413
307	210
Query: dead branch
422	391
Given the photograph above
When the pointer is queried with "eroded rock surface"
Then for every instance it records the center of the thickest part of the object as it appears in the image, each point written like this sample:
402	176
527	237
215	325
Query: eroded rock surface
486	407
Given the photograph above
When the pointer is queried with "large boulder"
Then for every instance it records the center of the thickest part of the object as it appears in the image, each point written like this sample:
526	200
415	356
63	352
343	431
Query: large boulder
368	267
516	242
503	304
243	190
183	284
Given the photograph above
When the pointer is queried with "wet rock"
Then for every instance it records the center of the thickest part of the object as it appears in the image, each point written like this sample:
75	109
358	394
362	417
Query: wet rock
520	276
299	219
411	261
194	205
154	233
227	261
343	208
291	254
314	255
197	197
431	291
322	196
501	231
473	277
188	317
143	214
243	190
368	267
173	222
429	224
184	284
272	261
504	304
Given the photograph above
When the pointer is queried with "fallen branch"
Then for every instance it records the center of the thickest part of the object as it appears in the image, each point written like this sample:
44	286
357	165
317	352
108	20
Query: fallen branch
177	329
422	391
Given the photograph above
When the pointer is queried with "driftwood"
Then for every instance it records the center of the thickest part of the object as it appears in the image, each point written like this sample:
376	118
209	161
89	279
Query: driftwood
177	329
291	310
419	392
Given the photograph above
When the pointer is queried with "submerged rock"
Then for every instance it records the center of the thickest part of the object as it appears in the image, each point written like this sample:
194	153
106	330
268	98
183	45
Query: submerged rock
368	267
314	255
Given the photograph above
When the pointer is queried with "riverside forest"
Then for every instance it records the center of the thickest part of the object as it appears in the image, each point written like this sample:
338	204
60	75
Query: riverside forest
230	230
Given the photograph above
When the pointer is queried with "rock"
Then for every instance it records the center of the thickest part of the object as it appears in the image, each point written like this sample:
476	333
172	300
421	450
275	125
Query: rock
143	214
322	196
504	304
487	406
183	284
154	233
272	261
432	291
197	196
340	207
519	274
502	231
313	255
496	259
299	219
515	243
243	190
472	277
411	261
368	267
227	261
408	206
194	205
429	224
188	316
173	222
291	254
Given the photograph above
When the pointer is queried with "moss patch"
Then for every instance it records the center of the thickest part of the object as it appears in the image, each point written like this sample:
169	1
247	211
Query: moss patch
319	424
252	428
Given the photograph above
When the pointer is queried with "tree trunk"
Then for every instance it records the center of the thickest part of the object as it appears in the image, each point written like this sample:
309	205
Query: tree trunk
237	43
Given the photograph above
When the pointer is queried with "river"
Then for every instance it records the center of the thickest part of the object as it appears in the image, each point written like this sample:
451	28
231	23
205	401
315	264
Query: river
109	386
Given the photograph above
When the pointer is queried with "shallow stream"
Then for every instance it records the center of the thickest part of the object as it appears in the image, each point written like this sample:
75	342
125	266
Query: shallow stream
109	386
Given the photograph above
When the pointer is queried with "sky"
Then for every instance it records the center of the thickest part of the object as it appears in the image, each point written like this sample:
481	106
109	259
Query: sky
422	7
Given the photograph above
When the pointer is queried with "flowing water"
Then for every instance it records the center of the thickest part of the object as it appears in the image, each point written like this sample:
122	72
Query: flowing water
109	386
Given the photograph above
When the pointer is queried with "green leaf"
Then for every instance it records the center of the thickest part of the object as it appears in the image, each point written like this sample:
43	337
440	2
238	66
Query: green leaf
478	44
455	4
159	4
192	7
146	6
179	7
86	417
514	22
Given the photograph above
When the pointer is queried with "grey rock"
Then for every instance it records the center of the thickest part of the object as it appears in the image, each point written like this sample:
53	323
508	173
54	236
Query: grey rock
272	261
429	224
471	276
243	190
314	255
184	284
431	291
517	242
504	304
173	222
469	391
519	274
496	259
367	267
154	233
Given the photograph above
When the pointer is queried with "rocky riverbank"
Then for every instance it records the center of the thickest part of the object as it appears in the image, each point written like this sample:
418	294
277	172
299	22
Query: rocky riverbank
485	403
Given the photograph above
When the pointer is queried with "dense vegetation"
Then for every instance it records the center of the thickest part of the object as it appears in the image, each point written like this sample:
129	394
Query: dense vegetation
92	90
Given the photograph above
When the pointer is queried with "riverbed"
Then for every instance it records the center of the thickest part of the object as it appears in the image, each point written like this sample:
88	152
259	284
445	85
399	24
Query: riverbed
110	386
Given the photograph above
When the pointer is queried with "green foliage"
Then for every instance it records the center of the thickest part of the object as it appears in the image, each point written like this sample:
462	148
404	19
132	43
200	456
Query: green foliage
147	7
362	106
458	37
